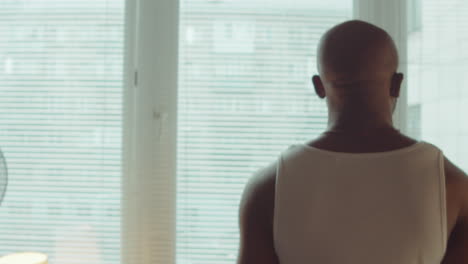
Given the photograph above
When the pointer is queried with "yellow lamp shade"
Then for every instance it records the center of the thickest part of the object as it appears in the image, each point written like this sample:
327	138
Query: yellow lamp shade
24	258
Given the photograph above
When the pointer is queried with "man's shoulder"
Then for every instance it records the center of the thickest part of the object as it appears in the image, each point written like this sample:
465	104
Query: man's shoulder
258	197
457	213
260	188
456	179
262	183
256	218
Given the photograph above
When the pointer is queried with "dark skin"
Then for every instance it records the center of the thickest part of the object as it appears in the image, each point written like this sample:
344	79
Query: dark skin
361	91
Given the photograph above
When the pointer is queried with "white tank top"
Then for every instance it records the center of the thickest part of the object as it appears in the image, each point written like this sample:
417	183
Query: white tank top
366	208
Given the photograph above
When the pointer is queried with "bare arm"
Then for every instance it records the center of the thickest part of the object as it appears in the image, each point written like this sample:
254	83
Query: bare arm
457	247
256	220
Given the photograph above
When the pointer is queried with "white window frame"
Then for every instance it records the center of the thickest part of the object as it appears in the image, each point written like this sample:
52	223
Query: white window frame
149	143
150	119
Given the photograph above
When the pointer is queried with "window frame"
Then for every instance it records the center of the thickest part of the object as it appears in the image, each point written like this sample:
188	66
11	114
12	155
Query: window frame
149	141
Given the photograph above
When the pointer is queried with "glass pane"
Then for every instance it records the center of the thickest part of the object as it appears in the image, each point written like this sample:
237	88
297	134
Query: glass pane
437	79
60	128
245	94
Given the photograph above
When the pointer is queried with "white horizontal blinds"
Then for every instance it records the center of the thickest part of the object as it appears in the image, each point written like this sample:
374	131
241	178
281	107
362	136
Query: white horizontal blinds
437	79
244	95
60	128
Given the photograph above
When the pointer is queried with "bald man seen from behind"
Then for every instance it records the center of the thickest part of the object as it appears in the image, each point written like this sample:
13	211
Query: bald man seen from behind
362	192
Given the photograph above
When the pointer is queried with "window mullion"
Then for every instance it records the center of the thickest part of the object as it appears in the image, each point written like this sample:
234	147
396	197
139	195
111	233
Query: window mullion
150	133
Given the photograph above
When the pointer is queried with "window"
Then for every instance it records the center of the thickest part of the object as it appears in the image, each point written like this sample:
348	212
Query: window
438	60
250	98
60	128
68	115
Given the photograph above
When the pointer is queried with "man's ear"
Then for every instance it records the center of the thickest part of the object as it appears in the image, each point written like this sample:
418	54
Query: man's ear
395	87
318	85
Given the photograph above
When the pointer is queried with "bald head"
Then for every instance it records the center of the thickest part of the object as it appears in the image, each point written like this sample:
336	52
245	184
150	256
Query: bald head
356	52
357	63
